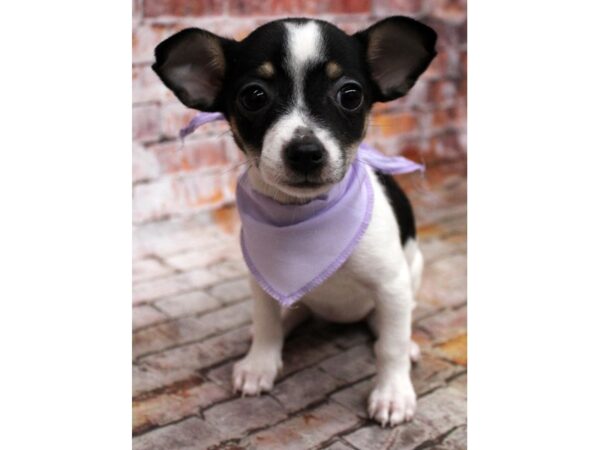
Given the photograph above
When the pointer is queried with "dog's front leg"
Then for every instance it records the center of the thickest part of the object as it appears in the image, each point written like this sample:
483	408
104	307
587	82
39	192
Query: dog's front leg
257	371
393	399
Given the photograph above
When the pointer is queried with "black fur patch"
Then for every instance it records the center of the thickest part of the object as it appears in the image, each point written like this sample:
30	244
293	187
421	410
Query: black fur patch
361	59
401	206
267	43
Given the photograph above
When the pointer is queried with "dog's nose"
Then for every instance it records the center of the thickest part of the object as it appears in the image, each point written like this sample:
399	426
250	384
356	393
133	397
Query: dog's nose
305	155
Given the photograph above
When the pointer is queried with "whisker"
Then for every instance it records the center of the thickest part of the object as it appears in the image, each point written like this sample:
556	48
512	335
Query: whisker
235	167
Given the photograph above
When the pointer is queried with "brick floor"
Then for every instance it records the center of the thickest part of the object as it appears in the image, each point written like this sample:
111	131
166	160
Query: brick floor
191	321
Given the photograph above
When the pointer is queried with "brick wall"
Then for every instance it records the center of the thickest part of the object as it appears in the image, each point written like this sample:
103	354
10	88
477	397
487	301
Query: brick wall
428	124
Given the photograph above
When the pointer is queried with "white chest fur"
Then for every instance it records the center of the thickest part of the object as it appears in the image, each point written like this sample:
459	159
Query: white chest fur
347	296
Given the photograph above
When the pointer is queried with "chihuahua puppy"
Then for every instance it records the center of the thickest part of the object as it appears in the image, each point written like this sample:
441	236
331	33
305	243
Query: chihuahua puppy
297	94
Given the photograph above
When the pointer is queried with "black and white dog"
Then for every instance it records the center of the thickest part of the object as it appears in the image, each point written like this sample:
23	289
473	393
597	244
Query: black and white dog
297	94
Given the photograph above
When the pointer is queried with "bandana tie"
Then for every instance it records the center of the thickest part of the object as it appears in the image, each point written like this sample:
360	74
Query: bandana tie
292	249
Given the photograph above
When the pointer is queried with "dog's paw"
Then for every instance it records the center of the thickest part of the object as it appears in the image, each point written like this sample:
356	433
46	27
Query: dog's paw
392	402
256	373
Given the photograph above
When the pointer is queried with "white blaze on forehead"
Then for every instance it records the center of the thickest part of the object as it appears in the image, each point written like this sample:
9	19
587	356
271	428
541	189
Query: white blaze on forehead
304	47
304	43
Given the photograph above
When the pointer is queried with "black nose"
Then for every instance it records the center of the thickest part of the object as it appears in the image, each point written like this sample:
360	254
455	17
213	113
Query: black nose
304	156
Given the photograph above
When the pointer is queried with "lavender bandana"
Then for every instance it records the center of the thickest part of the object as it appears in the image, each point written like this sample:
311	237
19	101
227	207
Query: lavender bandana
291	249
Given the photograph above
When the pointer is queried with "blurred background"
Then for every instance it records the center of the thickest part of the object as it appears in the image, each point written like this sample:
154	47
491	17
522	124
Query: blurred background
198	179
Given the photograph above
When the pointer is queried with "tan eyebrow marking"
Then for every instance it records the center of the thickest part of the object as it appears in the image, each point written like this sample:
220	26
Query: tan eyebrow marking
333	70
266	70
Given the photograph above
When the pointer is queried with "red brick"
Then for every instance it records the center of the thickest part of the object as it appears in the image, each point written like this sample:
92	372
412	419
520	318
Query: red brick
445	147
442	91
354	398
191	433
454	349
459	114
307	430
228	221
441	118
146	123
391	124
412	149
462	88
183	193
175	116
205	256
243	414
343	6
451	11
232	291
304	351
146	37
456	440
148	268
144	165
145	315
351	24
462	32
448	33
155	8
172	284
182	363
395	7
351	365
136	9
435	249
172	406
174	157
147	87
463	63
228	270
303	7
190	303
438	67
189	329
303	388
338	446
172	237
445	325
460	384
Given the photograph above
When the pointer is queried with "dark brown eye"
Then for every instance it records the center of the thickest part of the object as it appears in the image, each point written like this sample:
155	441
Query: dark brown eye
253	97
350	96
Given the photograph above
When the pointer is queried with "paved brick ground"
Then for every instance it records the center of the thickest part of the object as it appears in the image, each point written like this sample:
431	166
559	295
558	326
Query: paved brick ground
191	317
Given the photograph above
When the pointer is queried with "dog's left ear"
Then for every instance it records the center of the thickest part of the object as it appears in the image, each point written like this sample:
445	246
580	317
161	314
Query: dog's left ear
398	50
192	64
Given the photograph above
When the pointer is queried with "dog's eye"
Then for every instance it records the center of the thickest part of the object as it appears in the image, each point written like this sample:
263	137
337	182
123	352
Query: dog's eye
253	97
350	96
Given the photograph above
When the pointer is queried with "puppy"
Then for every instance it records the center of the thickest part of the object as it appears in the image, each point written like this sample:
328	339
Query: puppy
297	94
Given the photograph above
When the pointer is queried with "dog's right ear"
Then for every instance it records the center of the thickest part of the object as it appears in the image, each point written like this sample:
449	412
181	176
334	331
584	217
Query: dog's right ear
192	64
398	50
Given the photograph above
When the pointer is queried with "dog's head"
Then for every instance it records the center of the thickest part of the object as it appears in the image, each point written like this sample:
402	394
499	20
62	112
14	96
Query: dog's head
297	92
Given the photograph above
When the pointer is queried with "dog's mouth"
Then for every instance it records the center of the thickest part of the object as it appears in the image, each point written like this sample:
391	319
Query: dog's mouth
306	188
309	184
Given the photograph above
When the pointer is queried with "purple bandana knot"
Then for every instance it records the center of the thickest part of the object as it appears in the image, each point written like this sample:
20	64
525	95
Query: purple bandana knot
292	249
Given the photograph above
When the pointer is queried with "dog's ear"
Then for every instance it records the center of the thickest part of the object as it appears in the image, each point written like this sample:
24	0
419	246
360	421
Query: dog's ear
398	50
192	64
